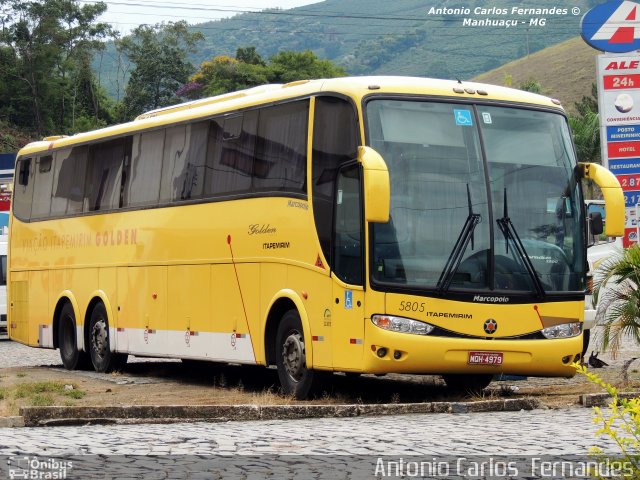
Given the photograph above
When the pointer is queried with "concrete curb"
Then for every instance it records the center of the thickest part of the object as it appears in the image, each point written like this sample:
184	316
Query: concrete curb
11	422
53	416
603	399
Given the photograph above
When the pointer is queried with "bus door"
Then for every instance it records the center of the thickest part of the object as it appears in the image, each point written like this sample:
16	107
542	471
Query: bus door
348	270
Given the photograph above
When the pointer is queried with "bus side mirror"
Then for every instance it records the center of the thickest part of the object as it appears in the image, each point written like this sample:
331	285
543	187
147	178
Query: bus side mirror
612	193
595	220
377	192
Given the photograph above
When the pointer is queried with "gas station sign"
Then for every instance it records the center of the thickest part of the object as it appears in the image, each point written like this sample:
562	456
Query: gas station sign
619	105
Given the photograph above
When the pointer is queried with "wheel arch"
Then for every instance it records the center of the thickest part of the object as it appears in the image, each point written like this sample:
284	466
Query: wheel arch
99	297
282	302
64	298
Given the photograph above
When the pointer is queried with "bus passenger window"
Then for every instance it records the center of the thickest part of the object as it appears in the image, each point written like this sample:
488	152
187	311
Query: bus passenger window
104	174
68	180
281	148
230	159
142	185
42	188
23	193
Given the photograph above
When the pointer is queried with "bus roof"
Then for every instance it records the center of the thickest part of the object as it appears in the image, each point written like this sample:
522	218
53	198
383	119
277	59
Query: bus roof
355	87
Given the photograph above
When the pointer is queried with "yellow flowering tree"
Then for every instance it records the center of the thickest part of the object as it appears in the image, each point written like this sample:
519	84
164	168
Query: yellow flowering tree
621	423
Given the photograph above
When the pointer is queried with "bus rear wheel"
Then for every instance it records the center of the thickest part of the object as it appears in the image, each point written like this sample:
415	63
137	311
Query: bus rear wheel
295	378
72	358
472	384
103	359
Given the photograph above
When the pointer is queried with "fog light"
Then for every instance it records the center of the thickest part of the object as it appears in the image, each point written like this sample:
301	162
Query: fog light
566	359
382	352
397	355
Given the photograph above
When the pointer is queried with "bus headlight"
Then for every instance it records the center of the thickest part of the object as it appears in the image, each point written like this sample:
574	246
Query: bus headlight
566	330
401	324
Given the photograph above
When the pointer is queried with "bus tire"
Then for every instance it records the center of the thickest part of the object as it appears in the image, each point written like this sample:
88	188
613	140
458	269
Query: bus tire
103	359
295	378
72	358
472	384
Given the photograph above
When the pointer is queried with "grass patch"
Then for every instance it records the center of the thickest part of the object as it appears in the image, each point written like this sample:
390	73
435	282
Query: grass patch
21	375
37	394
25	390
42	400
76	394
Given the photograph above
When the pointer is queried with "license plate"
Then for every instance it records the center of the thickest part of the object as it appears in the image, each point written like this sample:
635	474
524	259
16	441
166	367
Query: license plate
485	358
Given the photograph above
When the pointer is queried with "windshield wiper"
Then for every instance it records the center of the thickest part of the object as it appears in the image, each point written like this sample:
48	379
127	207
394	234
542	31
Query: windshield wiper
455	257
510	233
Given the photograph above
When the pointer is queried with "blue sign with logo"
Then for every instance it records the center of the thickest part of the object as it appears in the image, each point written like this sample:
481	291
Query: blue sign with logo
611	27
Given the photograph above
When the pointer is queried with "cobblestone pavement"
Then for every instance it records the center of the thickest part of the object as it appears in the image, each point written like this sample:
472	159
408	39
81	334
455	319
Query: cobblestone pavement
501	433
14	354
538	432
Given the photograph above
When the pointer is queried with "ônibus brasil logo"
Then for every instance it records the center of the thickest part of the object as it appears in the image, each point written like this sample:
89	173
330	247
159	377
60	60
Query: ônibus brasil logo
613	26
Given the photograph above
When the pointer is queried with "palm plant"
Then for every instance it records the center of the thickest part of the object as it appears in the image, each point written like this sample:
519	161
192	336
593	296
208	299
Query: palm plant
617	295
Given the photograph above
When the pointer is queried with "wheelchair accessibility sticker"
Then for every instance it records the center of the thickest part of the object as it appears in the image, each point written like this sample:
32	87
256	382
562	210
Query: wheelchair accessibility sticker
348	299
463	117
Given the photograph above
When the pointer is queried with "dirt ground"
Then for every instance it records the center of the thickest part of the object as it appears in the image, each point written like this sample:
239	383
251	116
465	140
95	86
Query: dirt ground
174	383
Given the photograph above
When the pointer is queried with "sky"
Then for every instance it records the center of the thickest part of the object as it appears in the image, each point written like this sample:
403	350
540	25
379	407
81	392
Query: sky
125	15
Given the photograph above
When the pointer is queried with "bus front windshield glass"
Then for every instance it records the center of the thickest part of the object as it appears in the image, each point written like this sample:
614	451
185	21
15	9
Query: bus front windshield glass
482	198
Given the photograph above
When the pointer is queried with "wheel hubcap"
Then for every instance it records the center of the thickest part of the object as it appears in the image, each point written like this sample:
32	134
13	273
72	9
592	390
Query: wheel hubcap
293	355
99	338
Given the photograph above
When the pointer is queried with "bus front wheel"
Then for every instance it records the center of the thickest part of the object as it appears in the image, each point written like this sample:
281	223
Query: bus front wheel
103	359
72	358
295	378
472	384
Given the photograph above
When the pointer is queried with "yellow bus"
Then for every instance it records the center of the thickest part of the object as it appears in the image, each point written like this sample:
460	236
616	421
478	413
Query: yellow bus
363	225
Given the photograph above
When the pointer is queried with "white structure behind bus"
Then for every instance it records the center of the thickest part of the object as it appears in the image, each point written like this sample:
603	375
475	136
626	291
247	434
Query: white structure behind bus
599	248
3	284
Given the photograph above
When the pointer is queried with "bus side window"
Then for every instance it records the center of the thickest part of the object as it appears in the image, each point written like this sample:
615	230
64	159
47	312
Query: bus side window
22	196
104	176
70	168
23	172
230	160
189	181
42	188
142	182
281	148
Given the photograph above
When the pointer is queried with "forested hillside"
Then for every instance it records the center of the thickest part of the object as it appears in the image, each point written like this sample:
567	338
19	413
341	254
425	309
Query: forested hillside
406	37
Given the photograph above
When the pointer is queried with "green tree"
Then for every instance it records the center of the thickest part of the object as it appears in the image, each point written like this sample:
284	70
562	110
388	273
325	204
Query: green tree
586	136
250	56
588	104
44	47
224	74
586	133
617	293
159	54
289	66
531	85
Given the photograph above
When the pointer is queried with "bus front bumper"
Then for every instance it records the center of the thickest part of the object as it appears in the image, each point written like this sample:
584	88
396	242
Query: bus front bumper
418	354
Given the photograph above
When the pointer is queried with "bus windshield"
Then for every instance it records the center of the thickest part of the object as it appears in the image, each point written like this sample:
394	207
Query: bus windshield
482	198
